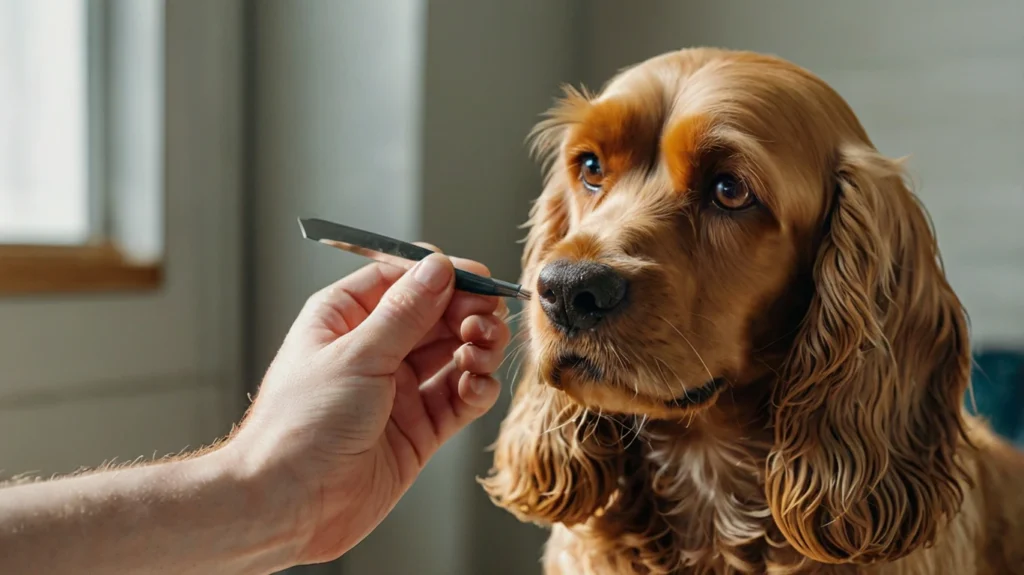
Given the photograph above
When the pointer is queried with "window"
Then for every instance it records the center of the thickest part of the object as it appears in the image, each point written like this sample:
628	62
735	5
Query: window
80	146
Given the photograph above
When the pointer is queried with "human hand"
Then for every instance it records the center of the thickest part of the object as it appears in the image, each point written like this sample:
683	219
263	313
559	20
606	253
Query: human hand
377	372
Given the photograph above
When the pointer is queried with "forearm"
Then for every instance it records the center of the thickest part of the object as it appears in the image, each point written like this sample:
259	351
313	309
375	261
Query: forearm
202	515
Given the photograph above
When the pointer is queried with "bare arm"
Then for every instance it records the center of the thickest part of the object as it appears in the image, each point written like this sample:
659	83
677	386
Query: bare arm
208	514
378	371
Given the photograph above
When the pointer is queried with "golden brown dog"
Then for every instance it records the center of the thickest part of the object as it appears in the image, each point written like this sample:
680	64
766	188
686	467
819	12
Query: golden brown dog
744	356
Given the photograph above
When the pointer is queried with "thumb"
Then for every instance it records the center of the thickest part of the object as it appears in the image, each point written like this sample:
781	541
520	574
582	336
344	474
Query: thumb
405	315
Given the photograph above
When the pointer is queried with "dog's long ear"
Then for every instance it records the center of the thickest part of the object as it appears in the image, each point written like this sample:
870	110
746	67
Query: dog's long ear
554	461
869	417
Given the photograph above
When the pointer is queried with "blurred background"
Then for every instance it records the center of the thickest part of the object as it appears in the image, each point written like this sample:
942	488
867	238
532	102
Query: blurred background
154	157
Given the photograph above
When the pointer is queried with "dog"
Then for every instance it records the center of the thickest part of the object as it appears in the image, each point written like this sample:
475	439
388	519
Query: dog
743	353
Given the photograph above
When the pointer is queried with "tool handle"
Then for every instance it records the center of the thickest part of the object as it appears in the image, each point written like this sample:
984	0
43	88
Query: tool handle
473	283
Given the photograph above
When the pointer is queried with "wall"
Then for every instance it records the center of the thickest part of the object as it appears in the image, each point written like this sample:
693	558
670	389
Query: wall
940	81
92	378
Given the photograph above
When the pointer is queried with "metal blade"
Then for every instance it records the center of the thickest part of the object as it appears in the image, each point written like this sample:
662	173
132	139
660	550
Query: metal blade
367	244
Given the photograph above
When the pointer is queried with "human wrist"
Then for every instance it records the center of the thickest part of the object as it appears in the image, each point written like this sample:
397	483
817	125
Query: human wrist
269	507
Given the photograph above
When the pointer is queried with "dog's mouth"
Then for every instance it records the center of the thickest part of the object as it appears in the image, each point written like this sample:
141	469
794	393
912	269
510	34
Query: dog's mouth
699	396
588	371
577	364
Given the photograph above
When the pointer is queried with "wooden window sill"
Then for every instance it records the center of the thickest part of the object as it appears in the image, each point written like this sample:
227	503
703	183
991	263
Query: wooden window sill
31	270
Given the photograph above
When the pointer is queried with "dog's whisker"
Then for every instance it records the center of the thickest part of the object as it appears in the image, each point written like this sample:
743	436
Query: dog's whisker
782	337
705	318
511	356
695	352
671	392
638	430
565	423
690	420
631	430
516	364
643	425
619	356
593	428
515	316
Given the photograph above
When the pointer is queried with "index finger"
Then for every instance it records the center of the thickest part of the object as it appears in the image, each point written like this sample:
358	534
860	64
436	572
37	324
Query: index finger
334	310
365	286
347	302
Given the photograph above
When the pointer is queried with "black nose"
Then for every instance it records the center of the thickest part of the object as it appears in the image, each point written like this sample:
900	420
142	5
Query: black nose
577	295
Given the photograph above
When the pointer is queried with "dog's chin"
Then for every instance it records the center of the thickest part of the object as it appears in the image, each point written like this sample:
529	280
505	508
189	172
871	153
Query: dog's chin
600	389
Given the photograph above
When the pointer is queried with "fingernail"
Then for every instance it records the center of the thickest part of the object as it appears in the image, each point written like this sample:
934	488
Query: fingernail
488	330
433	273
478	384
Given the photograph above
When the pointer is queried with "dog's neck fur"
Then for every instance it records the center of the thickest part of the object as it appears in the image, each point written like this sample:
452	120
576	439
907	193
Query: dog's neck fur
693	501
696	502
709	493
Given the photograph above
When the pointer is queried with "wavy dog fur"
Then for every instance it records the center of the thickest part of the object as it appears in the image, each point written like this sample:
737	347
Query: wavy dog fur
839	443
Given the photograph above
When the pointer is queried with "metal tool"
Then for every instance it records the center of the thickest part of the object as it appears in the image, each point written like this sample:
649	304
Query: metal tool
400	254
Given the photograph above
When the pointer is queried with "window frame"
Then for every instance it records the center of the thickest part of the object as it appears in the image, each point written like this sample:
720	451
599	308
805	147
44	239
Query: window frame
100	264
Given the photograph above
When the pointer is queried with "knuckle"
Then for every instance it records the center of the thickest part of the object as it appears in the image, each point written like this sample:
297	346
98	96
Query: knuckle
404	307
472	266
491	361
429	246
313	302
503	333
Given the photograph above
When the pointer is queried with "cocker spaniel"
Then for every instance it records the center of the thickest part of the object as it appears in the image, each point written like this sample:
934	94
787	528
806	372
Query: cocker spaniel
744	355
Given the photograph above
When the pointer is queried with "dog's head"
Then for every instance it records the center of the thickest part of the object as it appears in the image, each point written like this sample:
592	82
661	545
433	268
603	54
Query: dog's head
716	229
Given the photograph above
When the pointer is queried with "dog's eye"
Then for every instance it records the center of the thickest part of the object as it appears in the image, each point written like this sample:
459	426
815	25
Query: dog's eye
730	193
591	173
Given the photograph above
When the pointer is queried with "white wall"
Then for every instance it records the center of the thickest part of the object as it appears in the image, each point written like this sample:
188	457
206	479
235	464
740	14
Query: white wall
940	80
92	378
